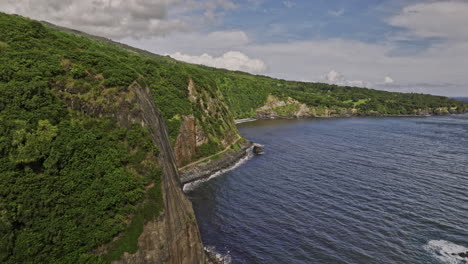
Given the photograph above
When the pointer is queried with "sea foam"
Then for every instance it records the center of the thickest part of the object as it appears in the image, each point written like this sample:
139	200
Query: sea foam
446	251
193	185
222	258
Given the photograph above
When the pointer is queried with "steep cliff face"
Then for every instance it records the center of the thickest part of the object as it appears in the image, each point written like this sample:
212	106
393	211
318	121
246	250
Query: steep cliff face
174	238
186	142
211	122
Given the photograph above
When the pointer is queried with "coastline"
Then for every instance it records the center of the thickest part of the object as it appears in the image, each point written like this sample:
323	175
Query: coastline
244	120
206	169
247	120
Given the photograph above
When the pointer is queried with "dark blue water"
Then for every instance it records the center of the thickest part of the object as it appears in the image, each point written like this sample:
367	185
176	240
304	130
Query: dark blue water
358	190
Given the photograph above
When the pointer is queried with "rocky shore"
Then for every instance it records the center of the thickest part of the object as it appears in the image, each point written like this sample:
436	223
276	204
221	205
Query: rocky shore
208	168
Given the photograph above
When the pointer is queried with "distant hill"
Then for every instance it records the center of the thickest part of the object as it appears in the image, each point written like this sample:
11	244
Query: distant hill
465	99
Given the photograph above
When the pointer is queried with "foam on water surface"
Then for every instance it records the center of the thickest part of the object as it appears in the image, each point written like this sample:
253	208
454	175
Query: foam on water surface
446	251
193	185
222	258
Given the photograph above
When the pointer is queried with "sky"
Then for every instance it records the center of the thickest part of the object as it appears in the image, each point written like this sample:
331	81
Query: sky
396	45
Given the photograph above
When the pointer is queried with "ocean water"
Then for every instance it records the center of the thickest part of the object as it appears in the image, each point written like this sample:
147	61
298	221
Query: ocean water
356	190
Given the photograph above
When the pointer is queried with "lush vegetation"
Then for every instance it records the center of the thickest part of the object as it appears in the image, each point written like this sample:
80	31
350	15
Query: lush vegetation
245	93
71	181
68	182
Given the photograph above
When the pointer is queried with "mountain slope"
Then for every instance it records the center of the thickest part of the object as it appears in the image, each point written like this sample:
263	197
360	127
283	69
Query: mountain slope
84	172
87	170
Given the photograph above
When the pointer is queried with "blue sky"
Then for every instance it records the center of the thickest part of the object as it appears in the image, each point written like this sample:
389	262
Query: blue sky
295	20
398	45
302	20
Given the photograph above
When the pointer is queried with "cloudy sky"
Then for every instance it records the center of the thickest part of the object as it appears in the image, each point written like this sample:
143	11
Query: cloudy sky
398	45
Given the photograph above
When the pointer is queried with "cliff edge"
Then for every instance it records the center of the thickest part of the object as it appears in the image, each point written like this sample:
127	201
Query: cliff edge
174	237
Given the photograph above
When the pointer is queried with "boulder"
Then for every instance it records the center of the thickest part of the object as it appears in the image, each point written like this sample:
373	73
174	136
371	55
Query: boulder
257	150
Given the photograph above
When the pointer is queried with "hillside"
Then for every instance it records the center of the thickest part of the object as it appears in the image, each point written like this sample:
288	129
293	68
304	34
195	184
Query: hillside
82	165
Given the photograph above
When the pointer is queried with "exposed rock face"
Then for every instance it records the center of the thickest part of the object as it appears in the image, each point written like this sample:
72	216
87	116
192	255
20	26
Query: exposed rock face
206	169
257	150
186	142
192	135
288	108
174	238
191	89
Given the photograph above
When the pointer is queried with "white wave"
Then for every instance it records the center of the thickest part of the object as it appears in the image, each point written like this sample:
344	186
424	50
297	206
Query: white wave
446	251
223	258
245	120
257	144
193	185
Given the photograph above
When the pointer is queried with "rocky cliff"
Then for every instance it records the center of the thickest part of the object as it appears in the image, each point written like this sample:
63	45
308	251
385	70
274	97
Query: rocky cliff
211	122
173	237
77	169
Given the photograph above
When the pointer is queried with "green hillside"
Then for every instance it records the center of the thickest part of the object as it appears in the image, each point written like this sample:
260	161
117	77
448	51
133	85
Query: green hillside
244	93
72	178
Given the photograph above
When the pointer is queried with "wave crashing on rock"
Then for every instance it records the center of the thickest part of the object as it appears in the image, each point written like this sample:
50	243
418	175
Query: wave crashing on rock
447	252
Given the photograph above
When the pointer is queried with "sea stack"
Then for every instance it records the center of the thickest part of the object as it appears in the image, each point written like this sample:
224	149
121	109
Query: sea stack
257	150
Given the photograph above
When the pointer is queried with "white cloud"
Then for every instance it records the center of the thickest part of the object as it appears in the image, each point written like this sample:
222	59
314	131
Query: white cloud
214	43
336	13
289	4
445	19
120	18
232	60
441	64
388	80
334	77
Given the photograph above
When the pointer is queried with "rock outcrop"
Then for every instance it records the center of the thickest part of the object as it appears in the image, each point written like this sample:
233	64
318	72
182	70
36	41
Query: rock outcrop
289	108
194	130
208	168
186	143
257	150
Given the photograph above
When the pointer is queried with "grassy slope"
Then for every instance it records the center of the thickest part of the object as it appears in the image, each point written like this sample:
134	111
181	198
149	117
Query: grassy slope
69	182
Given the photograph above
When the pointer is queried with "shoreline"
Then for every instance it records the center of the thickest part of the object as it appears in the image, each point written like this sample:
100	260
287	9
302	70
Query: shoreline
244	120
207	169
247	120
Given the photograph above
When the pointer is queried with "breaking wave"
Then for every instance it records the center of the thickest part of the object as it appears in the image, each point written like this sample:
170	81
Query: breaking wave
219	257
193	185
446	251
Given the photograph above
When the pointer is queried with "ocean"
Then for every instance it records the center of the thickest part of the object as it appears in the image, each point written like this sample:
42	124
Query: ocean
355	190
